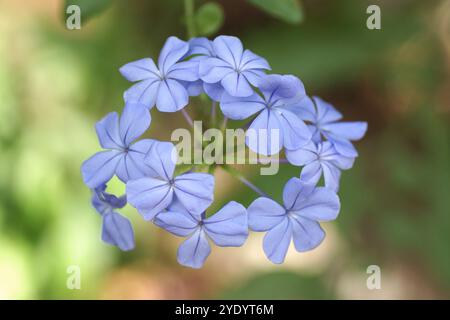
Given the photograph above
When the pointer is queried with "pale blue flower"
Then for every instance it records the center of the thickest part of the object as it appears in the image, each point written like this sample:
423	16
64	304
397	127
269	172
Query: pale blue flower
297	220
234	68
152	195
226	228
163	85
121	157
318	159
325	124
275	118
116	229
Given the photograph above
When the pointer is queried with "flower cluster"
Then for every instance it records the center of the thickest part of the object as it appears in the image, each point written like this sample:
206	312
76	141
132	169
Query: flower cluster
308	131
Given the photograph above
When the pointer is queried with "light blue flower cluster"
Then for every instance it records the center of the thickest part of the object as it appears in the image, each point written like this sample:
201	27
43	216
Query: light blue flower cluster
309	133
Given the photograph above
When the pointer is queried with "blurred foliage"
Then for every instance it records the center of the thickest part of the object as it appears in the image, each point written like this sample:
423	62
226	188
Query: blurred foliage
55	83
286	10
209	18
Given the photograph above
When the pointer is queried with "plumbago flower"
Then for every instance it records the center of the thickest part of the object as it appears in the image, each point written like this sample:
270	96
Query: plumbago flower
163	85
318	159
152	195
116	229
230	66
297	220
226	228
277	94
122	157
324	123
282	116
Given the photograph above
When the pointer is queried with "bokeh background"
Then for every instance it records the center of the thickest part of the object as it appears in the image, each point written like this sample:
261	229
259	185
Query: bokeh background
56	83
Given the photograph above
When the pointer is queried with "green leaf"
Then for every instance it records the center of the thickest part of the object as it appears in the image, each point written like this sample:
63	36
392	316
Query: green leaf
89	8
288	10
209	18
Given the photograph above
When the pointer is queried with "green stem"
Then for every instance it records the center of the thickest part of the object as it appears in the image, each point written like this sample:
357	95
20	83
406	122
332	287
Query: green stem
244	180
189	16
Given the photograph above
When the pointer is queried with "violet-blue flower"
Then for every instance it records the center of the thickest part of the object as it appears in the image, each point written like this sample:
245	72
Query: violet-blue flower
236	69
277	94
324	119
318	159
297	220
163	84
151	195
226	228
121	157
116	229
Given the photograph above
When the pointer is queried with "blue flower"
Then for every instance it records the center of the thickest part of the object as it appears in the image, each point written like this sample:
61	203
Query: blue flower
318	159
116	229
163	85
304	206
122	157
324	119
278	93
233	68
227	228
151	195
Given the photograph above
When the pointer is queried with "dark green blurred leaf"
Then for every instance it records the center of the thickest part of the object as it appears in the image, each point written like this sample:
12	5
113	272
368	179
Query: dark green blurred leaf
288	10
209	18
89	8
280	285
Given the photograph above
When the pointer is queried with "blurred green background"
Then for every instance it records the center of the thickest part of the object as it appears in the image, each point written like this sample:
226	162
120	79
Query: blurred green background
56	83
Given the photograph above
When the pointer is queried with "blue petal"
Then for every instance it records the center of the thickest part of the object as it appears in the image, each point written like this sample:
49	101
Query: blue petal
162	158
134	121
264	135
241	108
195	191
193	88
214	90
185	71
181	224
277	240
108	131
144	92
229	49
254	77
342	146
281	86
140	70
264	214
100	168
294	131
229	226
173	50
307	234
149	195
172	96
236	85
252	61
303	155
311	173
304	109
194	250
322	204
325	112
295	191
329	154
202	46
117	231
331	176
132	165
347	130
104	202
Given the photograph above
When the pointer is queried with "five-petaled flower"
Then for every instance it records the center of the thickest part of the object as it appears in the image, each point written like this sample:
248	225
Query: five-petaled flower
164	85
116	229
324	123
297	220
151	195
318	159
234	68
122	157
275	126
226	228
